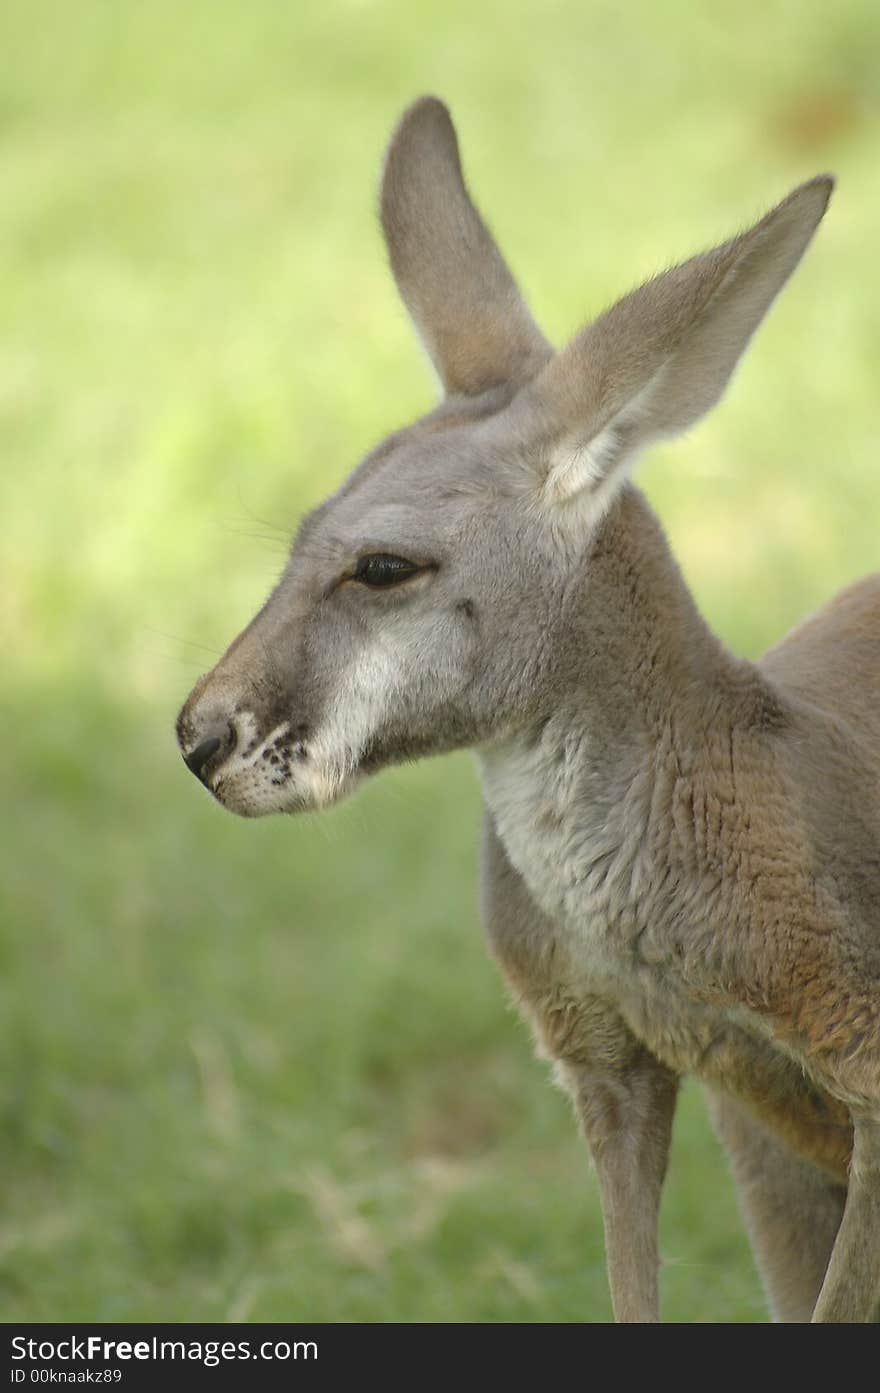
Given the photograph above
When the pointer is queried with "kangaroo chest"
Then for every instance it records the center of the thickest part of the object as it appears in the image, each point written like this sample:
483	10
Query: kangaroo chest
584	853
592	920
617	924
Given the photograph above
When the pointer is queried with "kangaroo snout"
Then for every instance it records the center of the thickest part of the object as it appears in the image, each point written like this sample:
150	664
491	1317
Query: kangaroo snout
242	752
206	730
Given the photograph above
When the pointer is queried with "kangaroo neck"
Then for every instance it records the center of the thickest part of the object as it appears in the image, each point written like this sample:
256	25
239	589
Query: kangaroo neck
637	676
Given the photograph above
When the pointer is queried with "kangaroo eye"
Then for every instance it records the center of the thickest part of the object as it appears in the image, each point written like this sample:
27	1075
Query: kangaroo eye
381	570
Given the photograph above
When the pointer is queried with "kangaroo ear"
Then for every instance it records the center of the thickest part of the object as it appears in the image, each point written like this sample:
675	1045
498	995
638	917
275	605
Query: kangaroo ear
660	358
453	280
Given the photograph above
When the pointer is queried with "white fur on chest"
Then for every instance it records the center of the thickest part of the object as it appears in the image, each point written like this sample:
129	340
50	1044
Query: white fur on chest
581	843
578	843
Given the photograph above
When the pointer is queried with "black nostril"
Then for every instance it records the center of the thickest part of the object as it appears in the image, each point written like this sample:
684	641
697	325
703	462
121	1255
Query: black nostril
199	757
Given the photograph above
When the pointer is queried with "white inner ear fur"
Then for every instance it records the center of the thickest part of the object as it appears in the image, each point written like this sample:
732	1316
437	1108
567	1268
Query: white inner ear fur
577	465
593	470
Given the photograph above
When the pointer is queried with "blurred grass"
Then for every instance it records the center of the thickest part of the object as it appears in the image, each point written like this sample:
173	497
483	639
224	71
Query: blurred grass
266	1071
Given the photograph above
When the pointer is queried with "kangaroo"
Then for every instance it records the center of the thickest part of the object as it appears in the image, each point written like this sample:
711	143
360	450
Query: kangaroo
682	848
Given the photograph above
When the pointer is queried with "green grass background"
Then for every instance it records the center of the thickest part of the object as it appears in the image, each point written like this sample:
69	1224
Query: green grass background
266	1070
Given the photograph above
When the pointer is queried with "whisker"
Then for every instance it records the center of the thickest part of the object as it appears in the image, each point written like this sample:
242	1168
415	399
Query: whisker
187	642
279	540
263	522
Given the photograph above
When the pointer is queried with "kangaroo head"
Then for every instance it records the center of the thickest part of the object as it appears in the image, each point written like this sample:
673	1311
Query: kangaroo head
424	603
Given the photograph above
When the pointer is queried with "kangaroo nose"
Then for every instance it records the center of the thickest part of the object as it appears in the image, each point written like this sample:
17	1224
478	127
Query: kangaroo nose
198	759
